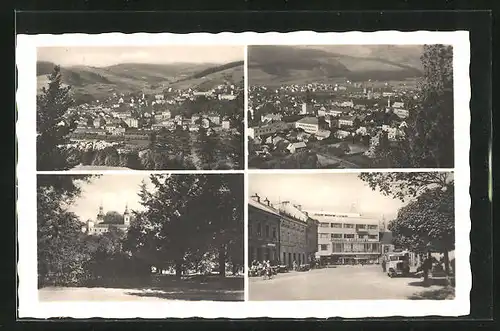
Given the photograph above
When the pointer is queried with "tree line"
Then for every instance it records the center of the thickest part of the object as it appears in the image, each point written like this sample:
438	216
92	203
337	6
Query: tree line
189	222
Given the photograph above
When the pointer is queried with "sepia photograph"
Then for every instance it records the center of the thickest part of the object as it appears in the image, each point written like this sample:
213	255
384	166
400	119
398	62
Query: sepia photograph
140	108
351	236
140	238
350	106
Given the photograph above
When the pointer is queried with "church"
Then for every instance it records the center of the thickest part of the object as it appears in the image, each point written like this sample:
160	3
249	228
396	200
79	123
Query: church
99	226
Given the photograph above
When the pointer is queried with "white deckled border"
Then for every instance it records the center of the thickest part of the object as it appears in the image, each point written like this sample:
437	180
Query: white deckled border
29	307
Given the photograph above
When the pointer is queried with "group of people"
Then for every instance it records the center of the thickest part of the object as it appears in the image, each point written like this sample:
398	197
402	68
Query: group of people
265	266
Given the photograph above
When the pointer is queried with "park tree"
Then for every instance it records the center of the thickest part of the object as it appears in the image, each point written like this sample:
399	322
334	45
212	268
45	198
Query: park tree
405	185
429	137
53	127
427	222
169	220
223	218
60	253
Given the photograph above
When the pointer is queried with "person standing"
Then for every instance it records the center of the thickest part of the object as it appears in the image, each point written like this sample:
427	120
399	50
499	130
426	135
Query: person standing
426	267
384	264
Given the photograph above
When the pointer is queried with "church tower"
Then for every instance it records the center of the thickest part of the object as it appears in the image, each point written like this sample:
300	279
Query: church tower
126	216
100	215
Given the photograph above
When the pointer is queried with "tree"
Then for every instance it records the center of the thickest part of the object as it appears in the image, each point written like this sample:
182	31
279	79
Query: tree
428	221
169	221
60	253
429	137
52	125
405	185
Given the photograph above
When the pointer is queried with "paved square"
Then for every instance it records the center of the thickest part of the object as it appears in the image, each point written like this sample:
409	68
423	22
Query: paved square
340	283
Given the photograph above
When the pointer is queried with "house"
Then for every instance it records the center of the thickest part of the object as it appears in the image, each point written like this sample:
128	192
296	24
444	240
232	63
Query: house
346	121
271	118
227	96
401	113
226	124
295	147
398	104
215	119
132	122
303	136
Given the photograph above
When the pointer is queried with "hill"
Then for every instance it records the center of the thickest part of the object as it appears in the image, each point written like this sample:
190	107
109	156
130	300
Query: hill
301	64
97	82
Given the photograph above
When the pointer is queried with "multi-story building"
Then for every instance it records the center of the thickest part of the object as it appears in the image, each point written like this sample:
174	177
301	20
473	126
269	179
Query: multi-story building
346	237
268	129
308	124
263	231
293	235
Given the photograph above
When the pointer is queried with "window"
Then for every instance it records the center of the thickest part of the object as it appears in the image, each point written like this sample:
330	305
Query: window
324	225
274	233
259	229
372	236
348	236
323	247
323	235
337	248
361	226
372	227
336	225
336	235
348	226
267	231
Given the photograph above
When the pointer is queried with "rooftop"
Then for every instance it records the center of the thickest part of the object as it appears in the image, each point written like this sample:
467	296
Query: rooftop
308	120
261	206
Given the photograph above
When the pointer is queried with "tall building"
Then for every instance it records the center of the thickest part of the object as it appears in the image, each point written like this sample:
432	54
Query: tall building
263	230
293	235
100	226
346	238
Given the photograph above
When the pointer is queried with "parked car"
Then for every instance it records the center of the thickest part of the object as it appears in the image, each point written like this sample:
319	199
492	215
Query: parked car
282	268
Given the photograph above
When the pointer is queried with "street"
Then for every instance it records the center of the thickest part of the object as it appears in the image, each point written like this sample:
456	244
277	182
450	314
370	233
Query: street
342	283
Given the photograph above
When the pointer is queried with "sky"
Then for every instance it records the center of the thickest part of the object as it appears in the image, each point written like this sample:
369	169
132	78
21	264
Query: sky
113	191
329	192
105	56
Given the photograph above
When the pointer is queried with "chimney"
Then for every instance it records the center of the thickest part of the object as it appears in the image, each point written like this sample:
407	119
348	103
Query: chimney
256	197
299	207
267	202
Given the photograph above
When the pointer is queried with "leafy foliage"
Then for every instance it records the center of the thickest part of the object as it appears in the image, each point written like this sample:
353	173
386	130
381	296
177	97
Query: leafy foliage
428	222
53	126
429	135
186	216
405	185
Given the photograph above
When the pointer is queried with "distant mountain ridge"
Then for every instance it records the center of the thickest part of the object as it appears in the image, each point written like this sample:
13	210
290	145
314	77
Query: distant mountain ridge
131	77
295	64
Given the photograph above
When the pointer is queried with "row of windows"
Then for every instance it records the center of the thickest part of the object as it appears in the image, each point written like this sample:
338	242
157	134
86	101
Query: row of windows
346	236
268	231
358	248
348	226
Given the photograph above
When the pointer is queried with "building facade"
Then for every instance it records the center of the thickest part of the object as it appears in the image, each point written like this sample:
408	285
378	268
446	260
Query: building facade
263	231
293	235
346	238
99	227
